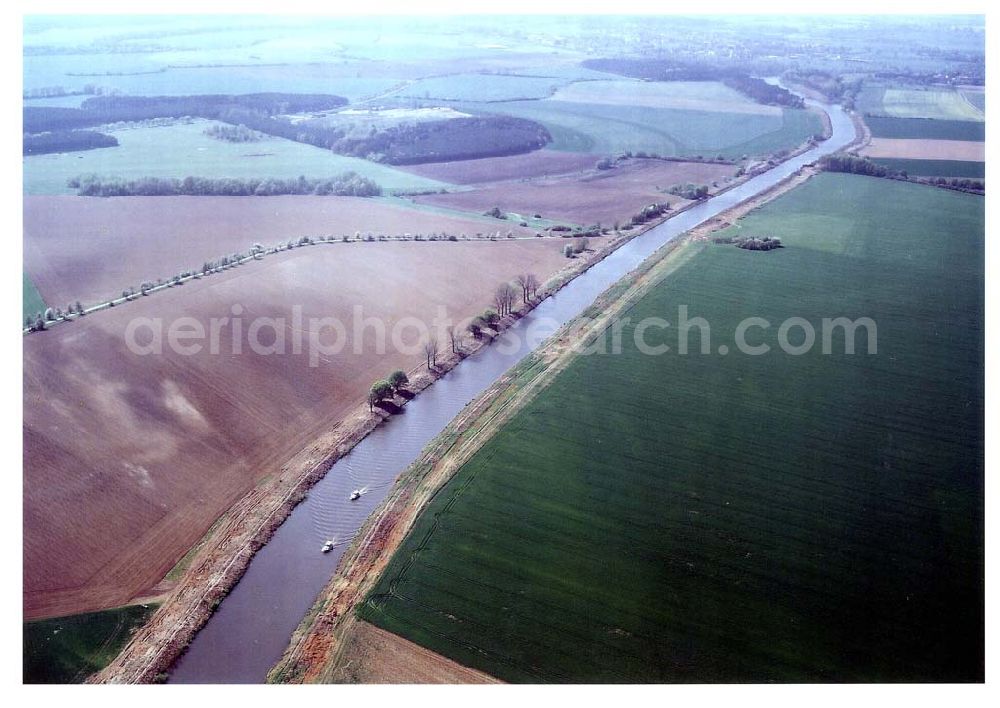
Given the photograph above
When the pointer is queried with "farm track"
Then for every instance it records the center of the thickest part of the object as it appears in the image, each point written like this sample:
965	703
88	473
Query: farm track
324	647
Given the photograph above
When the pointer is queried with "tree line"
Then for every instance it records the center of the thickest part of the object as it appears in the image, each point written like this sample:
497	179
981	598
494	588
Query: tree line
348	184
66	141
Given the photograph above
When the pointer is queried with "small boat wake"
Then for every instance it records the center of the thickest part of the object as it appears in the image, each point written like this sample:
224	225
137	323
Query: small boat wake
356	494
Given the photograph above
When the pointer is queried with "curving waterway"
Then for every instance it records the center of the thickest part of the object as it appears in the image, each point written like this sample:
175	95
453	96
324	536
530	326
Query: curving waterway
252	626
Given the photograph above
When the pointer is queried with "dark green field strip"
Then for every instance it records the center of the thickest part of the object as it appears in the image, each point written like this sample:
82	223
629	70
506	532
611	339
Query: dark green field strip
31	300
934	168
69	649
926	128
732	518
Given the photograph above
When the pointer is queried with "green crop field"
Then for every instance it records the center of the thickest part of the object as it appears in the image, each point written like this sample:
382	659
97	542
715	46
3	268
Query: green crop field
934	168
31	300
182	149
902	102
943	104
69	649
925	128
608	129
708	518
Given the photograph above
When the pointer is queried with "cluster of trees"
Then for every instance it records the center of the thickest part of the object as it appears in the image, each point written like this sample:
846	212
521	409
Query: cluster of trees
348	184
38	321
689	191
386	388
763	92
57	91
233	133
66	141
495	213
752	243
673	70
962	183
488	318
505	297
647	213
832	87
853	164
857	165
445	140
572	249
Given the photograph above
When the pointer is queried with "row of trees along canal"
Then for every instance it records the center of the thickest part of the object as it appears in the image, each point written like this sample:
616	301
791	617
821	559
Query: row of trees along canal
504	301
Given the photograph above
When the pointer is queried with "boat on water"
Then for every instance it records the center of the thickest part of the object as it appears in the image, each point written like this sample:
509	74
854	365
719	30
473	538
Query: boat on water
356	494
328	546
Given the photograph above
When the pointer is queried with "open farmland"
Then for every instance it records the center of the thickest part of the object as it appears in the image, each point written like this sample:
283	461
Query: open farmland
164	444
182	149
961	150
540	163
482	87
604	196
942	104
90	248
68	649
926	128
608	128
712	96
776	517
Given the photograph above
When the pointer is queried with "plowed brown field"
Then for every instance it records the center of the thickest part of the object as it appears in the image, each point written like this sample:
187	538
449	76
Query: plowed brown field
540	163
89	248
129	459
598	196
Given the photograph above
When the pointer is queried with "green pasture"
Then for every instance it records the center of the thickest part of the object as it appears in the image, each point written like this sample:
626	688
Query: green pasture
68	649
711	517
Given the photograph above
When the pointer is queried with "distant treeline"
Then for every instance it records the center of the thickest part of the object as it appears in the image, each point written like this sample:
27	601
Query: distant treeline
863	166
99	110
66	141
666	70
432	141
349	184
448	140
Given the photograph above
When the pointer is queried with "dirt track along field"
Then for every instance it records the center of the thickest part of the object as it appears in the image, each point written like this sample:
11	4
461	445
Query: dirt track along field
165	444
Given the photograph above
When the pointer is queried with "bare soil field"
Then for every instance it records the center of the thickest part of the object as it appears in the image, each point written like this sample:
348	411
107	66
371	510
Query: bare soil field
91	248
381	657
164	444
599	196
963	150
540	163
